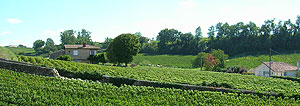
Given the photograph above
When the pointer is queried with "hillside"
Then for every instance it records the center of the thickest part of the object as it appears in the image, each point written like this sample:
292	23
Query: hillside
7	54
178	61
172	75
25	89
26	52
253	61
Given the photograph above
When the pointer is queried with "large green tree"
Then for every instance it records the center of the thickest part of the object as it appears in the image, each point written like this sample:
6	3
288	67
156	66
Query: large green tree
123	48
84	37
68	37
50	46
37	45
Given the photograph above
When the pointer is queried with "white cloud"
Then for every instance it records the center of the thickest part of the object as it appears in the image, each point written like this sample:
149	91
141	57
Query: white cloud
52	32
5	33
187	4
14	21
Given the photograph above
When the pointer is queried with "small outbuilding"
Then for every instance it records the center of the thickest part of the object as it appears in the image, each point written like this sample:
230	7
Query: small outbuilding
277	69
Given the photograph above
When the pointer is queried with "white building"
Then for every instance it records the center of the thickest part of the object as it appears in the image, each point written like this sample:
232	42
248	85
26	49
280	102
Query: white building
277	69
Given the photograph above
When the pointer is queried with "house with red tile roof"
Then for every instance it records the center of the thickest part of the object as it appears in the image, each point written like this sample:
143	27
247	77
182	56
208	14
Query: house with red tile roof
277	69
79	53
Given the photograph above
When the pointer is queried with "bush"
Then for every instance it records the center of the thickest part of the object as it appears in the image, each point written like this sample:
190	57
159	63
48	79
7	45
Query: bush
32	60
95	59
65	58
24	58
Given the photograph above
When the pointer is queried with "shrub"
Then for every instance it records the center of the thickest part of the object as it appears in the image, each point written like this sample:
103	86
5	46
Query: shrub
32	60
24	58
65	58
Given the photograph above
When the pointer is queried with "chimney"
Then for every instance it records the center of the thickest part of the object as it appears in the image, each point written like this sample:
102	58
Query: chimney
84	44
298	66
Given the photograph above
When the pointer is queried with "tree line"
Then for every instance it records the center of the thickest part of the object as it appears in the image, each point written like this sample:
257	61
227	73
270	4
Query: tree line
232	39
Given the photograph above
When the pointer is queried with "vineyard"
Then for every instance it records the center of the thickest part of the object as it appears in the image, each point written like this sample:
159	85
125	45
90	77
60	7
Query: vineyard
178	61
254	61
169	75
25	89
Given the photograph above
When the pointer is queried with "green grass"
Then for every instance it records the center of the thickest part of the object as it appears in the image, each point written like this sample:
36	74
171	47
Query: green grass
176	75
254	61
7	54
26	52
25	89
178	61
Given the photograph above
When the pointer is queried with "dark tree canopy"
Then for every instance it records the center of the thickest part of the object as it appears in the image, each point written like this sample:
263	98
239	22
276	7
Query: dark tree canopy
50	46
38	44
123	48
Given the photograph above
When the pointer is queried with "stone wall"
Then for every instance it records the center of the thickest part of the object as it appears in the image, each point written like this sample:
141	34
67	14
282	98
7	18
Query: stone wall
27	68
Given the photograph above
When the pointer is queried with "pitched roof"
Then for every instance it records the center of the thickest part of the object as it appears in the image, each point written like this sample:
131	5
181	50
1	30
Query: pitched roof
80	47
280	66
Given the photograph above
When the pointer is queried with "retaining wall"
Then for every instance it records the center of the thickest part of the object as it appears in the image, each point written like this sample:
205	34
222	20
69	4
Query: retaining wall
27	68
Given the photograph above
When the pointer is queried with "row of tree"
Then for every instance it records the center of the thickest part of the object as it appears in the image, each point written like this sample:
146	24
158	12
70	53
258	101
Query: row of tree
241	38
233	39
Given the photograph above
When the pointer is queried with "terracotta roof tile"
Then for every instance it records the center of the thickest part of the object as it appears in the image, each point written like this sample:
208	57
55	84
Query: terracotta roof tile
280	66
80	46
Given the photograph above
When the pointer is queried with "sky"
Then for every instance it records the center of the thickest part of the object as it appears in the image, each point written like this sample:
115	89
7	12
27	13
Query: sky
24	21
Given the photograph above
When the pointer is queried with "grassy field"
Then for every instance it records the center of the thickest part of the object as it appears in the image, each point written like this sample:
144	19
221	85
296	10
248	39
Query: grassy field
254	61
26	52
7	54
178	61
25	89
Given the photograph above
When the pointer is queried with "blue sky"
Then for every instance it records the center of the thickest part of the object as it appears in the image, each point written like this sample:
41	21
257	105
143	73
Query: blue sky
24	21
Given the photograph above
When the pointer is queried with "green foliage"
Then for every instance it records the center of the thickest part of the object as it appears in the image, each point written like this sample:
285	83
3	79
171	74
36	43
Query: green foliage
37	45
180	61
32	60
220	56
24	89
26	52
150	48
84	37
50	46
123	48
95	59
65	58
254	61
67	37
174	75
298	74
7	54
199	59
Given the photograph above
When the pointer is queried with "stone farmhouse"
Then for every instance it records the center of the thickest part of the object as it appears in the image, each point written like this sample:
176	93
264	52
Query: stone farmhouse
79	53
277	68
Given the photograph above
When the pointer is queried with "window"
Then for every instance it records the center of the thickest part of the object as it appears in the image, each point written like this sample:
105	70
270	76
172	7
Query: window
75	52
95	52
91	52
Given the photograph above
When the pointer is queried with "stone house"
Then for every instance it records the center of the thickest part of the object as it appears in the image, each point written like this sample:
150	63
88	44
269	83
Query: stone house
79	53
277	69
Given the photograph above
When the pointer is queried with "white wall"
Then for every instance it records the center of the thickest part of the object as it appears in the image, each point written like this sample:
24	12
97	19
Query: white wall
261	69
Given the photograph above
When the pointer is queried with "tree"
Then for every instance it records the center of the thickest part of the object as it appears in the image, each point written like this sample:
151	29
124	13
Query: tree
123	48
143	40
84	37
37	45
106	42
167	40
210	62
220	56
68	37
95	59
199	60
50	46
